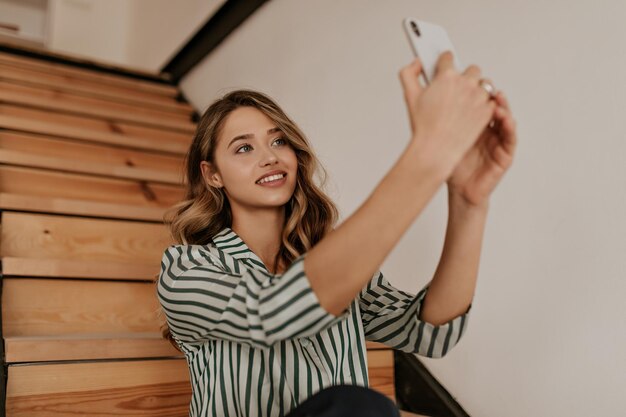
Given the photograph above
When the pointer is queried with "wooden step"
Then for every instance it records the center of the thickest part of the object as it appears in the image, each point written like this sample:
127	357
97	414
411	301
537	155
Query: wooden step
85	74
38	190
59	319
375	345
404	413
62	83
380	370
64	307
15	266
41	151
93	130
59	101
128	388
78	207
69	240
124	388
86	347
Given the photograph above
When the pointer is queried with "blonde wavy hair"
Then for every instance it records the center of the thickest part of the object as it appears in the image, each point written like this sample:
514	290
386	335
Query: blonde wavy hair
309	214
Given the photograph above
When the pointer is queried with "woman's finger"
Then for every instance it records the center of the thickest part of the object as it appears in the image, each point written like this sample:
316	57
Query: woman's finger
503	101
409	76
505	110
501	112
507	129
472	71
444	63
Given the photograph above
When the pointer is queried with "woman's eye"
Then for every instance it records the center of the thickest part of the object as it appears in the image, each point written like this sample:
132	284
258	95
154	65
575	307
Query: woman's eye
244	146
284	142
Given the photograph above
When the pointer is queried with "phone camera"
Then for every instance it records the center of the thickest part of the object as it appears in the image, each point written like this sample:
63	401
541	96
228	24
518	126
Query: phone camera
415	29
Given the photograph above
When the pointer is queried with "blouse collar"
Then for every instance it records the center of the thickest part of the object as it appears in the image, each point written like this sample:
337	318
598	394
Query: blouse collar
230	243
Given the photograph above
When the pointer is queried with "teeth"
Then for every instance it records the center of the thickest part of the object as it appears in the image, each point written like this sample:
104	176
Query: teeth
271	178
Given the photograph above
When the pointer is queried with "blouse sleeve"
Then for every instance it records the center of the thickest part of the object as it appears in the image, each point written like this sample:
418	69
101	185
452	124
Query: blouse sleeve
391	316
203	300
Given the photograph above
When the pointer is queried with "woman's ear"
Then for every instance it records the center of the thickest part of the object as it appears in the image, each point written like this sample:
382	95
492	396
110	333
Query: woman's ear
210	174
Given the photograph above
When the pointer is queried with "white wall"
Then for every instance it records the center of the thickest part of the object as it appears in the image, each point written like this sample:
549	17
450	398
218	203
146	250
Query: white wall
547	333
90	28
28	15
138	34
159	28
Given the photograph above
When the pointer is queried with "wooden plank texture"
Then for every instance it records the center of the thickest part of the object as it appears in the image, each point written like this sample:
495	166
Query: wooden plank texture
37	236
88	152
71	165
375	345
72	72
78	207
47	99
380	369
77	268
42	151
86	89
86	347
121	388
93	130
55	307
99	389
57	192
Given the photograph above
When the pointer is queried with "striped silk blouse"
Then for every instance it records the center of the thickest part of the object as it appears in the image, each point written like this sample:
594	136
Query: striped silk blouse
259	344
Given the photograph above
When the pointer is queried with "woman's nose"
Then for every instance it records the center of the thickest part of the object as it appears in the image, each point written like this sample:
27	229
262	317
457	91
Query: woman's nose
268	158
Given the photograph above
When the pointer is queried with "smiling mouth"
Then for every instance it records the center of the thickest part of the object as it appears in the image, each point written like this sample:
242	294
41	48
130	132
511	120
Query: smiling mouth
272	179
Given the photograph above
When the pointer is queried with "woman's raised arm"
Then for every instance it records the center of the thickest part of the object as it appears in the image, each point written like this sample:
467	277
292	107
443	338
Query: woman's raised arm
446	119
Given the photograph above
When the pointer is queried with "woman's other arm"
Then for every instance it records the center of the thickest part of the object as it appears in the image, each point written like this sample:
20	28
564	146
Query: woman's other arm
452	288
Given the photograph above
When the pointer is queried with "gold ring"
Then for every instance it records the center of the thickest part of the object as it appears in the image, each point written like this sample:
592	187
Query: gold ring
488	87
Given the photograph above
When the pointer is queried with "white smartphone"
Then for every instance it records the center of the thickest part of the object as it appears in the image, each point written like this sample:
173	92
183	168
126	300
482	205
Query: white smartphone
428	41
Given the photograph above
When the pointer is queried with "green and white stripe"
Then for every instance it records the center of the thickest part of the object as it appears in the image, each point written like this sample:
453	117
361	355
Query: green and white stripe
258	344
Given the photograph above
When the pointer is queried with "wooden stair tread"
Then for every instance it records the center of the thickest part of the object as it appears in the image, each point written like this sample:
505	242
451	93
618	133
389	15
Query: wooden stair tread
39	190
68	149
375	345
56	268
15	180
381	371
86	347
130	373
81	73
34	78
28	159
404	413
98	131
51	389
78	207
92	107
40	236
129	388
58	307
75	247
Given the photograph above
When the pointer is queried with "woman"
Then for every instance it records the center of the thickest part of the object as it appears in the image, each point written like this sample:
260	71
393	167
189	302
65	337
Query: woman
271	304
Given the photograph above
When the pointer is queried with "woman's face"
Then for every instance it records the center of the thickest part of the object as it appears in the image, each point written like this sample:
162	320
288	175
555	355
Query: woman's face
242	162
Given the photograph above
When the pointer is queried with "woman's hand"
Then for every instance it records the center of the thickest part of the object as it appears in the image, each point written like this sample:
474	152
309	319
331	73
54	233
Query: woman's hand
476	176
448	115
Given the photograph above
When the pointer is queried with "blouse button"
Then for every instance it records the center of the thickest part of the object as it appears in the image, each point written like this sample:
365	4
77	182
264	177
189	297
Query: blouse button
306	342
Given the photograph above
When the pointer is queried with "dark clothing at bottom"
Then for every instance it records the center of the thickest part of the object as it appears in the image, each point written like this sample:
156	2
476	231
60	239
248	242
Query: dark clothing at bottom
346	401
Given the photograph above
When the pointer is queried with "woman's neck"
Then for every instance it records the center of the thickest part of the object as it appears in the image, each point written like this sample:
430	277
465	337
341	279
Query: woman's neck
261	231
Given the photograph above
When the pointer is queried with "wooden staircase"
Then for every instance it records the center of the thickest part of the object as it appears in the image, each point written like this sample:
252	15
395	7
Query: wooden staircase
89	162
